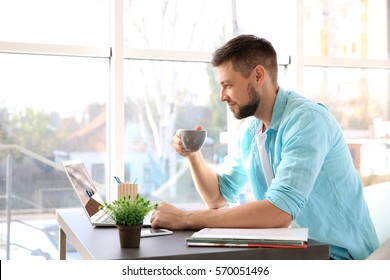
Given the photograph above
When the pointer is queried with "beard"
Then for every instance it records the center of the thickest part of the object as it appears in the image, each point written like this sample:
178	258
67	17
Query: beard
249	109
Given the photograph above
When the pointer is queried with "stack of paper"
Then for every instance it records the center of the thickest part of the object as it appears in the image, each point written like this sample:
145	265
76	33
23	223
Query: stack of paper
264	237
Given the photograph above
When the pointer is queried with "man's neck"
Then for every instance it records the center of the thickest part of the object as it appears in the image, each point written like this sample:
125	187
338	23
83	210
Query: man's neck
268	103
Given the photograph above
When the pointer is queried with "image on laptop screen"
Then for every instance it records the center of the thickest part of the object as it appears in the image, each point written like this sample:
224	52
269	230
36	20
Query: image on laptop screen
84	187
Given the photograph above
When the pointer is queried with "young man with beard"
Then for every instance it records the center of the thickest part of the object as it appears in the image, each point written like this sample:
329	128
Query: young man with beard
292	153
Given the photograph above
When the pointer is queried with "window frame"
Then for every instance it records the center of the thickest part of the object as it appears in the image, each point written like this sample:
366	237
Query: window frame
294	64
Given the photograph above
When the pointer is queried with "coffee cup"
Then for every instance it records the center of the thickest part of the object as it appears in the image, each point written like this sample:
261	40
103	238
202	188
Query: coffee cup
192	139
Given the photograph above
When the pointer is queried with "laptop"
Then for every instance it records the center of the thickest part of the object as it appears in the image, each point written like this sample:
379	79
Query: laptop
91	200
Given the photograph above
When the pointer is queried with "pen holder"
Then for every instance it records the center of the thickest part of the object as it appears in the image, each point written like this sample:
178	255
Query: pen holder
126	188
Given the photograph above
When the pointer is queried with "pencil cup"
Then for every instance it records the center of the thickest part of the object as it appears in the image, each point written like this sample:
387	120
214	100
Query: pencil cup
126	188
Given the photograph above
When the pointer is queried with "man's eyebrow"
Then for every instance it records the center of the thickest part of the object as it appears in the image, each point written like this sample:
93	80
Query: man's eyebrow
225	82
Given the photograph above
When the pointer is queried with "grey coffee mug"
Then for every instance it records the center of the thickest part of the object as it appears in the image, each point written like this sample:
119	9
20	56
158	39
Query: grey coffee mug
192	139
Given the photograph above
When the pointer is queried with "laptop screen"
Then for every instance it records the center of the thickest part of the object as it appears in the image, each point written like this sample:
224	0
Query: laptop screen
84	186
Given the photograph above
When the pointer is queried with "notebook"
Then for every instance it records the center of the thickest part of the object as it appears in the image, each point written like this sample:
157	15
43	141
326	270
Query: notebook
91	200
250	237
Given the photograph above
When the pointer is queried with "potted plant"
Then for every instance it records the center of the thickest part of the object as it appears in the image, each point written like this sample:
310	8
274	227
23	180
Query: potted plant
129	214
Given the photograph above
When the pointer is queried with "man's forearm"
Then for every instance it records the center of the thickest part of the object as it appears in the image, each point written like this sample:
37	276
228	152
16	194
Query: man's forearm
258	214
206	181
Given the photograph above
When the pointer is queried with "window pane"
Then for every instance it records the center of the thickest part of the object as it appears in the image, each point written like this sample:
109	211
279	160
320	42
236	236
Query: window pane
51	109
71	22
266	19
162	97
174	25
359	99
346	28
355	96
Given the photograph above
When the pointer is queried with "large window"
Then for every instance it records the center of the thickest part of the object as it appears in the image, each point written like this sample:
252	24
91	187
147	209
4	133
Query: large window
109	82
346	66
161	97
175	25
346	29
174	86
54	68
71	22
52	109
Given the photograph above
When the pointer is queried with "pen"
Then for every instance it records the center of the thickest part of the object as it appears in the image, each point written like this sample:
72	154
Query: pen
117	180
88	193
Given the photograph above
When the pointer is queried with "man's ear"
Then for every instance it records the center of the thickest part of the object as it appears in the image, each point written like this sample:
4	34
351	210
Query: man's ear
259	72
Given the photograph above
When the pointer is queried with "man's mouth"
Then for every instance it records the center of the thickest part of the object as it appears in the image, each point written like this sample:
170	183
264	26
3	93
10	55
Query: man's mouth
231	104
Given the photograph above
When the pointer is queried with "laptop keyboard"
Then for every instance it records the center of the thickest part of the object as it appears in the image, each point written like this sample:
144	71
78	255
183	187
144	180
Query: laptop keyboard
106	219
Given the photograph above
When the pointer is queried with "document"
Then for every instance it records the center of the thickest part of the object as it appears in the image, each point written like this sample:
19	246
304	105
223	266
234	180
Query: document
236	237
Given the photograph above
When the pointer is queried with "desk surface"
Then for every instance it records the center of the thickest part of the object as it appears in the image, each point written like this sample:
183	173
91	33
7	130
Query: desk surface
103	243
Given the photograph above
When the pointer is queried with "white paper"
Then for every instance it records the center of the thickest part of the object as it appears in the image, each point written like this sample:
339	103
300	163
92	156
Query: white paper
295	234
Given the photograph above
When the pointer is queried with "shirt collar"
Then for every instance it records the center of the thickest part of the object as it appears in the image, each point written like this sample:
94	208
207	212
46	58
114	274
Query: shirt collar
279	107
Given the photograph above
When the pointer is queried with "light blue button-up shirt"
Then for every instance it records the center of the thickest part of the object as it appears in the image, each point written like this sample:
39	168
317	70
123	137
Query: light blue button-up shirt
315	179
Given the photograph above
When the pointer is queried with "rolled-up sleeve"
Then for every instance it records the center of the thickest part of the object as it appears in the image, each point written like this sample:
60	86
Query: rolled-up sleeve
231	178
302	143
233	174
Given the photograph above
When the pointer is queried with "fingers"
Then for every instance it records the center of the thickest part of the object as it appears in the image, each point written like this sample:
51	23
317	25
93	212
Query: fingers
167	216
178	146
155	218
177	143
199	127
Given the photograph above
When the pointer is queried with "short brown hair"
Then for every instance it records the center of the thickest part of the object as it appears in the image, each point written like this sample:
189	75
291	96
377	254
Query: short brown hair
245	52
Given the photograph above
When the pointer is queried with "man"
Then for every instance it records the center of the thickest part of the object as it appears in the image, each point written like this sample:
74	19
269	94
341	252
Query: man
292	153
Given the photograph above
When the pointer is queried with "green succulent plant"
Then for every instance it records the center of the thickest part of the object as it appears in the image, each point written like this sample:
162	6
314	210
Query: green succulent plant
128	211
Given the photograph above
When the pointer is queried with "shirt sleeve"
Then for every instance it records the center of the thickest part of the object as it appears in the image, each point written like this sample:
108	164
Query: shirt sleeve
232	176
303	142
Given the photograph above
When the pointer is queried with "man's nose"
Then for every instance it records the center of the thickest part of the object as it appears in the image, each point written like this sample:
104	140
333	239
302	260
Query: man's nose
222	96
